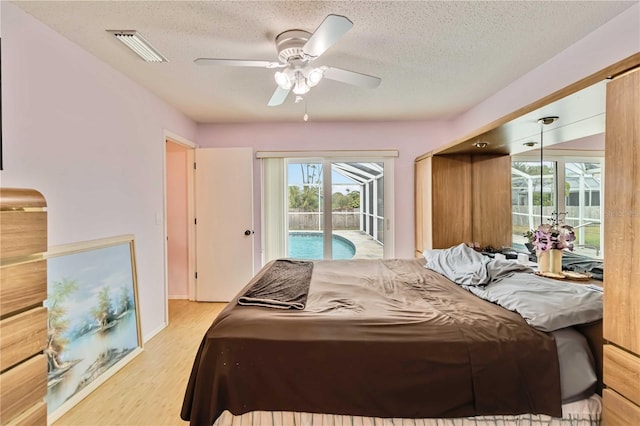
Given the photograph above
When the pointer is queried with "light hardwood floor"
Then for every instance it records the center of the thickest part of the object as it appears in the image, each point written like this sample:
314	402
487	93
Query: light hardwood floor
149	390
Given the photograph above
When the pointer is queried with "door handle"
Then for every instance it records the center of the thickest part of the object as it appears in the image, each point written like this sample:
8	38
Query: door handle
248	232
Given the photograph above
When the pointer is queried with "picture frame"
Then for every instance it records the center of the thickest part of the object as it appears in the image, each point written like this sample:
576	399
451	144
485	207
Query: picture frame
93	318
1	159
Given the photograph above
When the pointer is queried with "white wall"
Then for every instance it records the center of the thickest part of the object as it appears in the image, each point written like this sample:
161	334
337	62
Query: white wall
92	142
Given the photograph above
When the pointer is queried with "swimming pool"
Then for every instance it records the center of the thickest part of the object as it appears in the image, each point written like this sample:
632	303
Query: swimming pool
309	245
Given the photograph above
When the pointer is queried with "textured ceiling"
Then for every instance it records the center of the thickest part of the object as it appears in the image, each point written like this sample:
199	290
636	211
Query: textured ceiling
436	59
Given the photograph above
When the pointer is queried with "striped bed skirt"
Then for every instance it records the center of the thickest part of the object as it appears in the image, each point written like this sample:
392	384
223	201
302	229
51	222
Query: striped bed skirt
586	412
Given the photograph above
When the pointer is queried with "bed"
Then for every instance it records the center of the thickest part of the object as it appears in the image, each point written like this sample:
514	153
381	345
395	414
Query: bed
392	342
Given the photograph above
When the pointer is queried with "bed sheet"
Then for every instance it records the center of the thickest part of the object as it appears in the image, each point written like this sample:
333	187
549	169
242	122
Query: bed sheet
376	338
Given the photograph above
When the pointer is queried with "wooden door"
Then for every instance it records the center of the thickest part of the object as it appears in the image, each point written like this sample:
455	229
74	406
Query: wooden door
622	254
491	200
224	222
450	200
443	201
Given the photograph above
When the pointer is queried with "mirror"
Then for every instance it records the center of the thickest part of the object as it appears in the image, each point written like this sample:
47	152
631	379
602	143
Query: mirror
581	117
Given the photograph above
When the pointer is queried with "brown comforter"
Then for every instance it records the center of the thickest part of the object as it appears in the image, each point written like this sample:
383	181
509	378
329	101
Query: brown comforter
381	338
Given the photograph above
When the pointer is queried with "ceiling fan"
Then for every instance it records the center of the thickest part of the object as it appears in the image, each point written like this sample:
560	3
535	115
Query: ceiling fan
297	49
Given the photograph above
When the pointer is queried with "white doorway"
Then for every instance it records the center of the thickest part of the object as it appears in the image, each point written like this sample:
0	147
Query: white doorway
224	222
177	221
179	214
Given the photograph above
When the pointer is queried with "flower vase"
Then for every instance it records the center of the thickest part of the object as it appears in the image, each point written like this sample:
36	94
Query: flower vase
555	261
543	260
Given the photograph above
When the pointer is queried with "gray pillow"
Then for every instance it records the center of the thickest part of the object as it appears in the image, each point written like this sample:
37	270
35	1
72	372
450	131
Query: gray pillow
465	266
577	374
461	264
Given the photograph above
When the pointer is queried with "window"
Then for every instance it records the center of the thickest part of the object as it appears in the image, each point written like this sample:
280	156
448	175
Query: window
526	194
334	208
569	185
582	202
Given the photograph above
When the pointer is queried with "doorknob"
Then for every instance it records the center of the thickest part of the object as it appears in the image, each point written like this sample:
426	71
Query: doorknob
248	232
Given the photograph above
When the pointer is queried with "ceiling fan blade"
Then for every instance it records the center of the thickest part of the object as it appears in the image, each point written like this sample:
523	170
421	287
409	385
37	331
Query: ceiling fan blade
328	32
352	77
278	96
239	63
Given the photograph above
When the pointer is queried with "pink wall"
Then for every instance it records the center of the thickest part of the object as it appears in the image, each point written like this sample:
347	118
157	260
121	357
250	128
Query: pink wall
177	220
92	141
410	138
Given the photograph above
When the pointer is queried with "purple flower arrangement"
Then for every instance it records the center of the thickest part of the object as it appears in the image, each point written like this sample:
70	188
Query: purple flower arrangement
552	235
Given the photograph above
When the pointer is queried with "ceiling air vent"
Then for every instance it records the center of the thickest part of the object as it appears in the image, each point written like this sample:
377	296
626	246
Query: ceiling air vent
134	41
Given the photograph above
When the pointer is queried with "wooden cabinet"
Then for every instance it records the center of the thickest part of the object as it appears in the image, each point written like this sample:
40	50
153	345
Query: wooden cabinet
491	200
442	187
462	198
23	319
621	324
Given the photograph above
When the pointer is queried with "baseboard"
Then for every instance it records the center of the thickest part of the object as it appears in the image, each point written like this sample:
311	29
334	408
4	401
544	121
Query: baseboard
178	296
148	337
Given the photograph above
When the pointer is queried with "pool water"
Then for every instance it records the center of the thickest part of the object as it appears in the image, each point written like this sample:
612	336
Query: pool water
309	245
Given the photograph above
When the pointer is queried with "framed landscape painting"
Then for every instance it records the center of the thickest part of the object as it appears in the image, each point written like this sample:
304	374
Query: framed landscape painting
93	317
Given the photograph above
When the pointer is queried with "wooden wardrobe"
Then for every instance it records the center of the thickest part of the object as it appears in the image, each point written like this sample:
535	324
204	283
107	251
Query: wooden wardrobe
23	318
462	198
621	324
443	200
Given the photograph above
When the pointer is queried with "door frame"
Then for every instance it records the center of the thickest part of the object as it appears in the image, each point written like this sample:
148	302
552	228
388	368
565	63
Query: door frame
191	232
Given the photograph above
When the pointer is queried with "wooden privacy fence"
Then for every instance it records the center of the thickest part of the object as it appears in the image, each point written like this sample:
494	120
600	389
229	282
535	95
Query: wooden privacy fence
308	221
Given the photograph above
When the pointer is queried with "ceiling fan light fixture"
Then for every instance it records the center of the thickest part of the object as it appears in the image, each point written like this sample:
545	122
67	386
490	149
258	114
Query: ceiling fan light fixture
296	50
283	80
134	41
314	76
300	87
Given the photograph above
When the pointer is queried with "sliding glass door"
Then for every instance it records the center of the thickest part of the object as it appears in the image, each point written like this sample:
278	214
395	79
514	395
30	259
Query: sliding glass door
351	193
